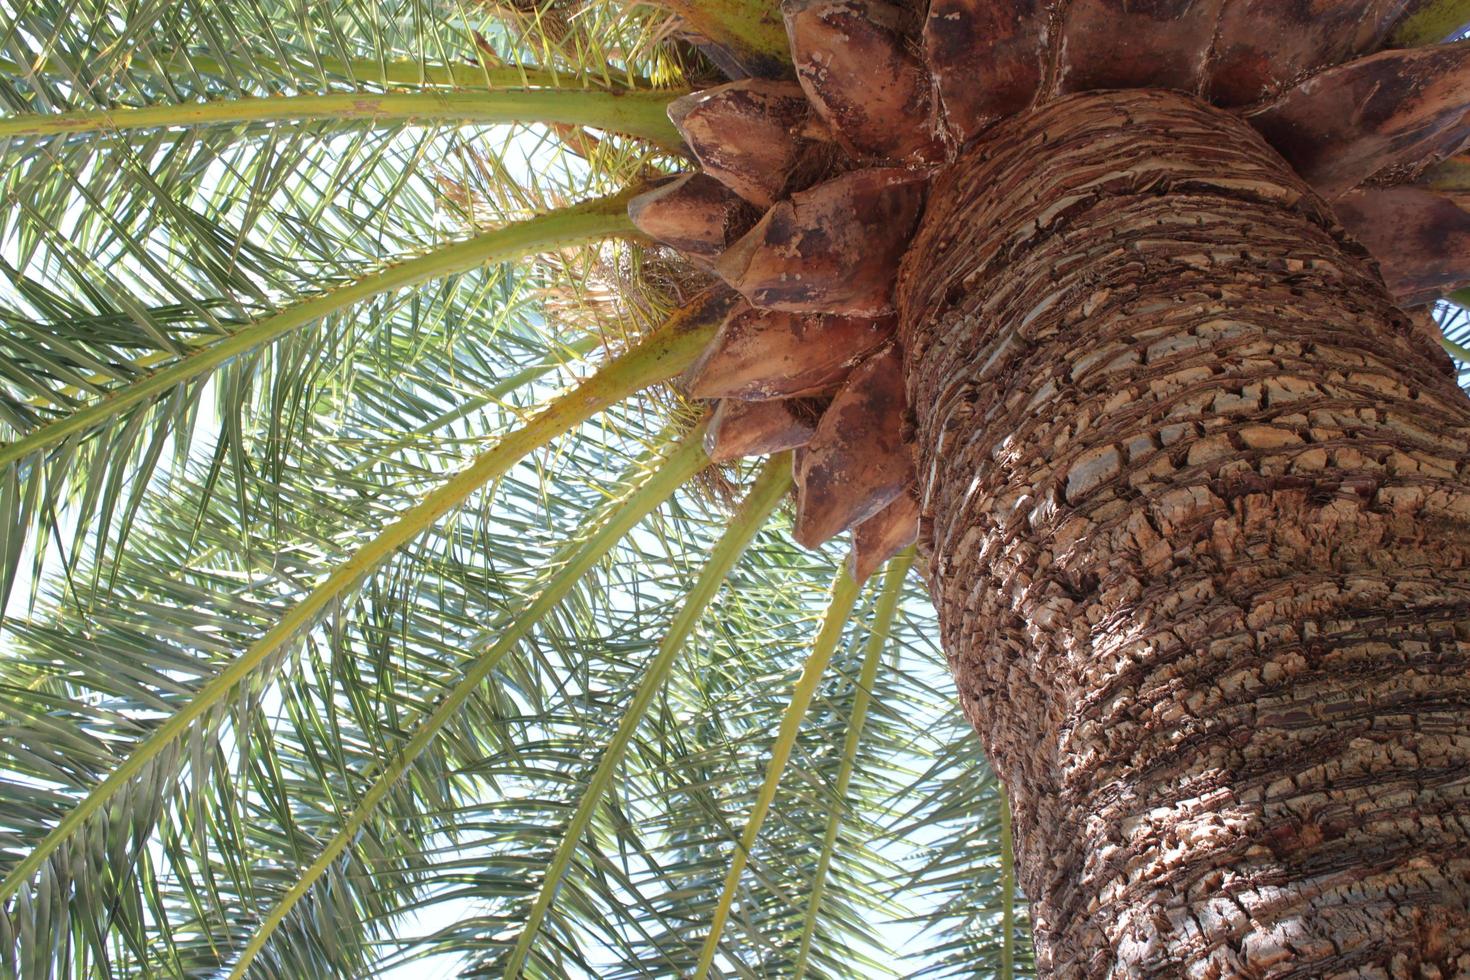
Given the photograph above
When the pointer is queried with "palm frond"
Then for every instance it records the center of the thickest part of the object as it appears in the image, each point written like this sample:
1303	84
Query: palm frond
839	608
663	354
668	473
1431	22
766	493
882	622
297	771
488	728
177	238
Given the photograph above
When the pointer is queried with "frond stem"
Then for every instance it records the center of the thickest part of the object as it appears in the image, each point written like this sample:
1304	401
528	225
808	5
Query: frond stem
402	73
1007	888
1433	22
602	218
660	356
659	481
844	596
764	496
883	613
641	114
1450	175
580	347
371	71
752	31
1455	350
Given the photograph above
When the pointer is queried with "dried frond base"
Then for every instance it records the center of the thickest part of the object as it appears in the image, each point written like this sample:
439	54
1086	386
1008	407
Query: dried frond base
751	136
857	461
740	428
854	64
769	354
884	535
832	249
693	213
1420	238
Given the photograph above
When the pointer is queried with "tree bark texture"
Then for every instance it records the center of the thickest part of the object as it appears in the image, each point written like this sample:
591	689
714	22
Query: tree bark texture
1196	505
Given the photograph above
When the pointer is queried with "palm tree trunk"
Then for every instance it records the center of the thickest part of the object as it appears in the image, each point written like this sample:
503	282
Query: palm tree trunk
1198	522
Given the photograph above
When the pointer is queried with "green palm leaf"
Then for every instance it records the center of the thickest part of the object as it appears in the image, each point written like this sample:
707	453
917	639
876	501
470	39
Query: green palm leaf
765	494
662	355
844	597
672	471
882	623
571	227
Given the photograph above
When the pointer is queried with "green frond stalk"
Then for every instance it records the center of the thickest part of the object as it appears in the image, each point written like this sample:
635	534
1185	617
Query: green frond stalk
1431	23
1450	175
660	480
1460	297
883	613
1458	352
751	30
602	218
405	74
839	609
391	73
660	356
1007	888
580	347
764	496
640	114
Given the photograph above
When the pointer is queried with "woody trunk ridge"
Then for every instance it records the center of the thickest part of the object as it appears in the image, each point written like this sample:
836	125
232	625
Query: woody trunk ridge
1196	508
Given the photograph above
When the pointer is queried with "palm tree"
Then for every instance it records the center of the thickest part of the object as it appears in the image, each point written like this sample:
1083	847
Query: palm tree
339	637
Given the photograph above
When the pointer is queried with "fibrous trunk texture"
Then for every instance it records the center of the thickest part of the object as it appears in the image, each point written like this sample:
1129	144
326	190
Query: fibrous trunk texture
1196	505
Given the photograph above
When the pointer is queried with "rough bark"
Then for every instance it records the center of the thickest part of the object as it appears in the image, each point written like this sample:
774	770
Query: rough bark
1197	517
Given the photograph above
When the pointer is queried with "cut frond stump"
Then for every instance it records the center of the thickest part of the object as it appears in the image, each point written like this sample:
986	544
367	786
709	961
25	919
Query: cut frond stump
986	57
760	354
751	135
853	62
695	214
1387	112
1264	46
857	461
831	249
1118	44
884	535
740	428
1420	238
1451	178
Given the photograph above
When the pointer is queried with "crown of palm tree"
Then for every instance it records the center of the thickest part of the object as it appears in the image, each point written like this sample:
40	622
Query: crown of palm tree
887	98
330	613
